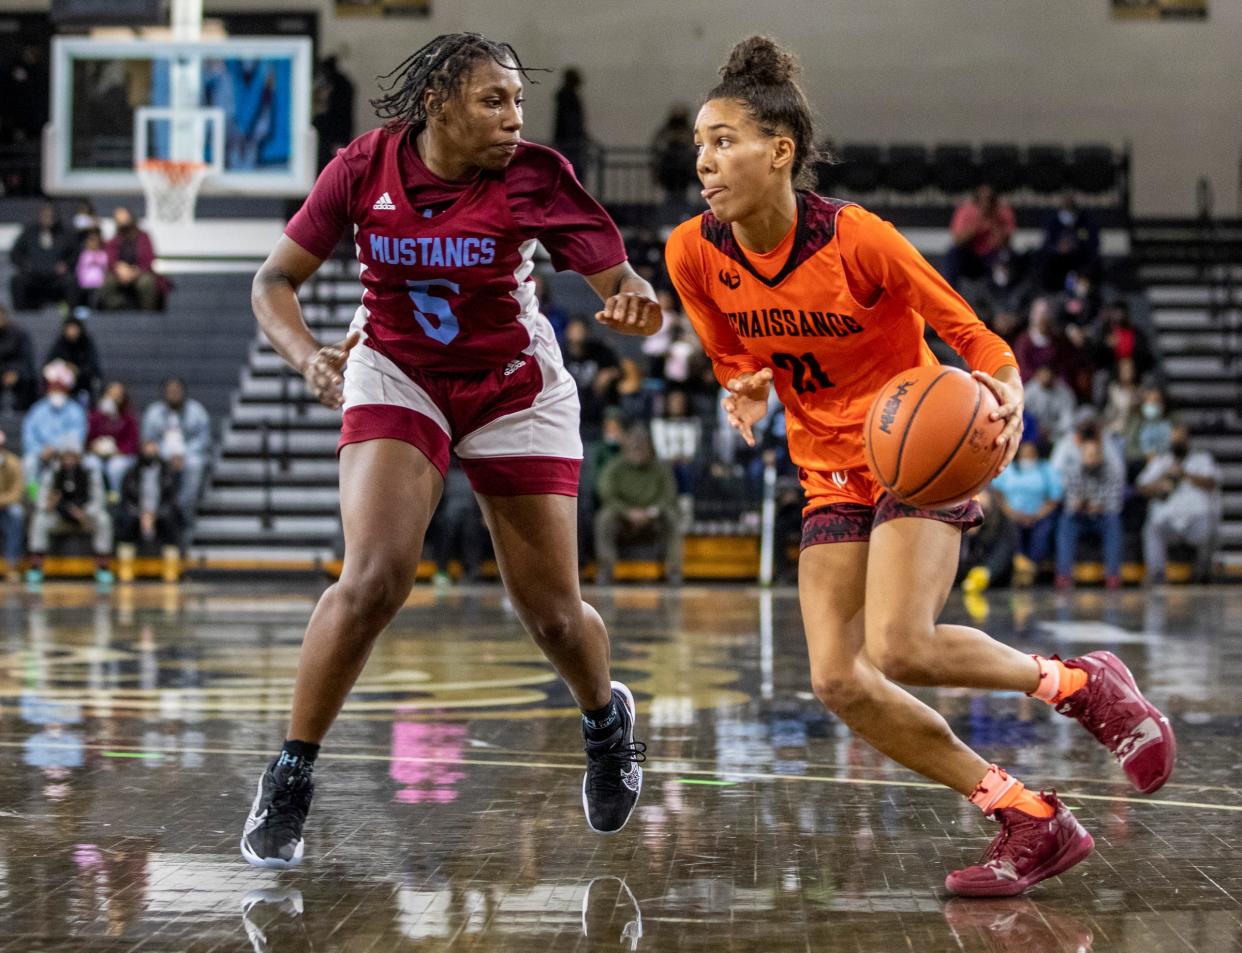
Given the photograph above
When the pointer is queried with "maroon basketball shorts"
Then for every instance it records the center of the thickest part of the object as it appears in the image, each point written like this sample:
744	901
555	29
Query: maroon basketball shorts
514	428
848	519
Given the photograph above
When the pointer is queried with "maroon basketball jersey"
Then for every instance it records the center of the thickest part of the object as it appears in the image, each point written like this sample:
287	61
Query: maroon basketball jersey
450	291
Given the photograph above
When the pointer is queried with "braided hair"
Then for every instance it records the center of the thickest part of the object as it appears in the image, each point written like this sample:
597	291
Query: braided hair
441	66
762	75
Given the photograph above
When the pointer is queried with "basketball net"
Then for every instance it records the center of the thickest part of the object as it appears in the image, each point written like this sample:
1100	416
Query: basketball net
171	187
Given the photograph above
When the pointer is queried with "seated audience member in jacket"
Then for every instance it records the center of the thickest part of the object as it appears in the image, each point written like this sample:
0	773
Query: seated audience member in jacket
1183	485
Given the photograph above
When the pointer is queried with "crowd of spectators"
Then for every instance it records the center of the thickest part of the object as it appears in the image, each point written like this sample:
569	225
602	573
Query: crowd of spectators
84	463
1103	459
75	269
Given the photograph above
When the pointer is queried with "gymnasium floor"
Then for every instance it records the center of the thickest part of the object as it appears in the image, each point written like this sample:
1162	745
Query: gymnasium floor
134	727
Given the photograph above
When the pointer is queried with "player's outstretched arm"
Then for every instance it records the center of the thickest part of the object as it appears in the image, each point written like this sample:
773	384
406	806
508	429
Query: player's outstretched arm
629	301
274	297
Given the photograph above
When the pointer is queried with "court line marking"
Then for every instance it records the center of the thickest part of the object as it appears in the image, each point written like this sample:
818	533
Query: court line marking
654	767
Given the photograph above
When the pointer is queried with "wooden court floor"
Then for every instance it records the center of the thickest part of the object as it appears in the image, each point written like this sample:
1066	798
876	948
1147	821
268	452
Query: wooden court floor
134	725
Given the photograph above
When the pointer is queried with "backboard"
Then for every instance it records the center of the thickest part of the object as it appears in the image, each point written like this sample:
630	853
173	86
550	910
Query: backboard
115	103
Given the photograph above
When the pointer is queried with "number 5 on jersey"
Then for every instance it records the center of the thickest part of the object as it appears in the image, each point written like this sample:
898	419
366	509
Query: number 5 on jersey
429	309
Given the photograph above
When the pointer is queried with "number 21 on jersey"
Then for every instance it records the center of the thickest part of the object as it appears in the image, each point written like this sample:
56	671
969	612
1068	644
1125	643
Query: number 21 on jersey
433	314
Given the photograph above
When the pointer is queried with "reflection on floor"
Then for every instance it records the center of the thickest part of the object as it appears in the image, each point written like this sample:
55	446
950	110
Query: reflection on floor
134	727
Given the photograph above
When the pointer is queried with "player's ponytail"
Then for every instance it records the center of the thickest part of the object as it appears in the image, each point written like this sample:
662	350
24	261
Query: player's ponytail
441	66
764	76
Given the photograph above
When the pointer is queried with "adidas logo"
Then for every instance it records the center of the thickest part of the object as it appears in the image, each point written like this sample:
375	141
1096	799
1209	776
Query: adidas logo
513	366
384	204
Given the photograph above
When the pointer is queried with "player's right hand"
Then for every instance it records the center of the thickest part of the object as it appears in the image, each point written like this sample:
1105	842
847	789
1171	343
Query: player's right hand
747	402
324	372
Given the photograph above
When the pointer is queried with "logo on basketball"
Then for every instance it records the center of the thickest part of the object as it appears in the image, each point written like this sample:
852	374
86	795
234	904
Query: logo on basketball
892	405
730	279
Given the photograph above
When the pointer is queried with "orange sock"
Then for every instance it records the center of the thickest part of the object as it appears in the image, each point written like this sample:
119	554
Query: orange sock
999	790
1057	681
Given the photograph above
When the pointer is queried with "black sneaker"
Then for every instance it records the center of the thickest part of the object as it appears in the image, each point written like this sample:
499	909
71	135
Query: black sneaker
273	833
613	777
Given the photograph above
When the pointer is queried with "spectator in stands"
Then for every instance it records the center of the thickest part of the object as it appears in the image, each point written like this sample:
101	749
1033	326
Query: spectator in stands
84	220
1183	486
333	109
70	500
147	514
76	347
1071	245
1095	486
112	434
1029	492
557	316
181	427
18	378
982	228
457	529
637	497
673	155
1122	400
1041	343
569	125
988	549
1121	339
1152	432
51	421
12	510
1051	403
596	369
132	281
90	272
42	258
677	438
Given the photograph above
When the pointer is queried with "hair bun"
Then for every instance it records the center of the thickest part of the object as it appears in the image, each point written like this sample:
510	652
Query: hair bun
760	59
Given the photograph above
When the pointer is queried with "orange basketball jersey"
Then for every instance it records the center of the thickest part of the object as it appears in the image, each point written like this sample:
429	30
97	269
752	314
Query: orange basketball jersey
835	310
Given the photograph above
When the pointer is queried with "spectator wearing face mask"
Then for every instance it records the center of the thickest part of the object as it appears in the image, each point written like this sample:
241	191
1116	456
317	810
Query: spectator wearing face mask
1071	245
1094	495
1150	434
1051	402
1183	486
1029	492
76	348
112	434
148	513
70	500
51	420
132	281
1041	344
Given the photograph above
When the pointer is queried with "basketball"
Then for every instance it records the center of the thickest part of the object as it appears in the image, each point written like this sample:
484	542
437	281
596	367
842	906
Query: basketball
929	438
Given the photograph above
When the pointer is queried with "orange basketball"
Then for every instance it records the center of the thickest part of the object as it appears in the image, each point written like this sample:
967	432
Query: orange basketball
928	438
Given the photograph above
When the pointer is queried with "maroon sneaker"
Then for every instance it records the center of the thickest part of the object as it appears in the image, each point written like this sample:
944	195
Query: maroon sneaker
1112	708
1027	850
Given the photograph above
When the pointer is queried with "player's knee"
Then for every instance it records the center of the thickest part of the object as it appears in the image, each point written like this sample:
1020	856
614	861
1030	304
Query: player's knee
840	692
902	651
375	592
558	625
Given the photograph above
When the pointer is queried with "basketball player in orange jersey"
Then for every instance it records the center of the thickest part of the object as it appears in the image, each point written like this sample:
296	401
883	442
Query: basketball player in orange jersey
826	302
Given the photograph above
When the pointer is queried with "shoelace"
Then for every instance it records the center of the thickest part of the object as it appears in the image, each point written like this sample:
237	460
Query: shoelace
1109	726
289	808
1019	836
609	765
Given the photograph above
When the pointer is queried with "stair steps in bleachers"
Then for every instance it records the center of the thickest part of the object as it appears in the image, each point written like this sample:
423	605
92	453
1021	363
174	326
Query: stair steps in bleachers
1192	270
273	500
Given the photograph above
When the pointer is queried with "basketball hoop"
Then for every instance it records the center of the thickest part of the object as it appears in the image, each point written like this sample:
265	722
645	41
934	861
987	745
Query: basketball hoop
171	187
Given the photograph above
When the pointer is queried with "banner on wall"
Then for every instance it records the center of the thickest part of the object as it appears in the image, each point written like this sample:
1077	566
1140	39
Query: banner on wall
383	8
1160	9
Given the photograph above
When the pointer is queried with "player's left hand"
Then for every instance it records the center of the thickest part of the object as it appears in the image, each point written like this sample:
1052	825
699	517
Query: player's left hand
1012	400
631	313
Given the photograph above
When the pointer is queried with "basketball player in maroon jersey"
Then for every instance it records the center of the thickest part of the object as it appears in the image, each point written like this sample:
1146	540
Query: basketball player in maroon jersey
448	351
